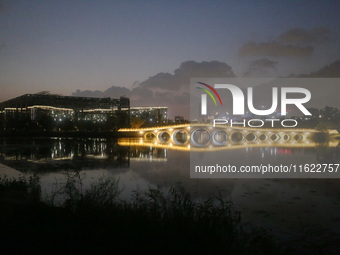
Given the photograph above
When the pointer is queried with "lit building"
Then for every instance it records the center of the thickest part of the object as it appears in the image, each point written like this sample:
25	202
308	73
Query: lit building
151	115
55	112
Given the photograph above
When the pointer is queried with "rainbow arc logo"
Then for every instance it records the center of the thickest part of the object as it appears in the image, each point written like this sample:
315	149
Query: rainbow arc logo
210	94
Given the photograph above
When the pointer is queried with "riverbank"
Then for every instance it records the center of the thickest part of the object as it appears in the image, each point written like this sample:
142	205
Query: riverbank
154	221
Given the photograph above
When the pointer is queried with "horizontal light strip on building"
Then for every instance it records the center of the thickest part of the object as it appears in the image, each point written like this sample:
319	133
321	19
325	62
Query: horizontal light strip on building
148	108
46	107
99	110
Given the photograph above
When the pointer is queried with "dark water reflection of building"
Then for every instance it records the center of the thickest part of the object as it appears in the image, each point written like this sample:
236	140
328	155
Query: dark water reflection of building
141	153
62	154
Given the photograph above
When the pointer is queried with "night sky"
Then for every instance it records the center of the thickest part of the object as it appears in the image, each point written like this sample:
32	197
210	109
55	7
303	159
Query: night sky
148	50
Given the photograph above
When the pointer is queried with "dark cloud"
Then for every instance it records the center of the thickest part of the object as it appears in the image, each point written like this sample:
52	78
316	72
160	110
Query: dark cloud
165	89
142	95
329	71
261	67
173	90
161	80
296	42
182	75
204	69
113	91
263	63
275	49
323	93
298	35
163	95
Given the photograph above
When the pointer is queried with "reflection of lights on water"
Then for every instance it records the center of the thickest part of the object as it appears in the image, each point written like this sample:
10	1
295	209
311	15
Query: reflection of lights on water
284	151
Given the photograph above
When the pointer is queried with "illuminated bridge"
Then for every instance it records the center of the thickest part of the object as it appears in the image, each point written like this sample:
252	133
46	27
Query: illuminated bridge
203	136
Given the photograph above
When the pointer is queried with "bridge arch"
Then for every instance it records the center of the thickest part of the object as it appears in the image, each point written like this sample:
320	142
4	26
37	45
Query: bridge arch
180	136
163	136
200	137
275	137
298	137
149	135
263	137
219	137
237	137
251	137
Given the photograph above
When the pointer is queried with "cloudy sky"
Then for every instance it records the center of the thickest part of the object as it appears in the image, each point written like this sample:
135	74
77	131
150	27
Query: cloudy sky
148	50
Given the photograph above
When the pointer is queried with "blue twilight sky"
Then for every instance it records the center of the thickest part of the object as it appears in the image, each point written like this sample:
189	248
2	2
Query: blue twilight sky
64	46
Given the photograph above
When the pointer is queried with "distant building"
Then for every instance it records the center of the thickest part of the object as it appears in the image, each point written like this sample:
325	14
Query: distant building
179	119
151	115
56	112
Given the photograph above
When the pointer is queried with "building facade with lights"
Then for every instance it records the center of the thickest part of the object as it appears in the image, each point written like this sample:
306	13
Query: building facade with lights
49	112
151	115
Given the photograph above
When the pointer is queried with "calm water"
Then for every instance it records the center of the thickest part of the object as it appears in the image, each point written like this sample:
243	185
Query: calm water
290	207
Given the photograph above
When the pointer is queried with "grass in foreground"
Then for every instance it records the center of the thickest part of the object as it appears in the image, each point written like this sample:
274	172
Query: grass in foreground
95	221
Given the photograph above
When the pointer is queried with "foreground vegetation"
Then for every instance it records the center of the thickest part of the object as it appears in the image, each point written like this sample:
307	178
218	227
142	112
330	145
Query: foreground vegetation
95	221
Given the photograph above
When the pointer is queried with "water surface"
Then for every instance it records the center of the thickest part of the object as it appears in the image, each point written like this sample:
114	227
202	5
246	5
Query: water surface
289	207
